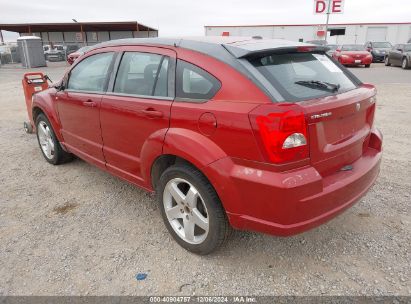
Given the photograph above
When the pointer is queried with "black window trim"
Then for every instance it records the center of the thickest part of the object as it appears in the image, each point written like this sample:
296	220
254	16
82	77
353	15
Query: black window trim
170	77
106	81
191	99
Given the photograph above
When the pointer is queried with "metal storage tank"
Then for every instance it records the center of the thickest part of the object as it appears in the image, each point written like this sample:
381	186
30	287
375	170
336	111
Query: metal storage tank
31	51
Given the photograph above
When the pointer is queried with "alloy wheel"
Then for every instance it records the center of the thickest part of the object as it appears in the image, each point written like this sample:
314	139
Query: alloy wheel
46	139
404	63
186	211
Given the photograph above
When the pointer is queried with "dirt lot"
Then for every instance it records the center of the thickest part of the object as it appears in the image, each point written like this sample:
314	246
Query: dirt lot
73	229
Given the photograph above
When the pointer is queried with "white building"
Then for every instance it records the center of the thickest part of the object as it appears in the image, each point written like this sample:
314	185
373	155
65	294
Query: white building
350	33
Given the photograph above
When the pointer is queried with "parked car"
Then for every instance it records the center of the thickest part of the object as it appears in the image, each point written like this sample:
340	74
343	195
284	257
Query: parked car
71	48
331	49
378	50
353	54
263	135
400	55
73	56
55	53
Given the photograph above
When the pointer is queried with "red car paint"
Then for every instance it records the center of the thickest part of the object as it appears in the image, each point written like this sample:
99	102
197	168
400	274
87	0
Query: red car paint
126	135
72	57
352	57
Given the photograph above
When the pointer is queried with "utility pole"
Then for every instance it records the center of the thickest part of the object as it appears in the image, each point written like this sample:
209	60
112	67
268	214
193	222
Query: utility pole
328	18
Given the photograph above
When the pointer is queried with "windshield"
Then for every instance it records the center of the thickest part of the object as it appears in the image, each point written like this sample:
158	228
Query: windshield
381	45
352	47
300	76
407	47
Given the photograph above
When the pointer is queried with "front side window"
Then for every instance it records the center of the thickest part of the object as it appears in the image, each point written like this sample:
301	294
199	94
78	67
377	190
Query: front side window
142	74
195	83
300	76
90	74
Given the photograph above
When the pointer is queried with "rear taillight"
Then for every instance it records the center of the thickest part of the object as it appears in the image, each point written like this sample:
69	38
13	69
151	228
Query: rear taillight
283	135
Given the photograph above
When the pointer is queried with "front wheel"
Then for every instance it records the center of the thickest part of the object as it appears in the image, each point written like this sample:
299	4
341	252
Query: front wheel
387	61
404	64
48	142
191	210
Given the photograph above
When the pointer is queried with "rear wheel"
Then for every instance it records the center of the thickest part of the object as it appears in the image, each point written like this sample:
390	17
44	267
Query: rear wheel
387	61
191	210
404	64
49	145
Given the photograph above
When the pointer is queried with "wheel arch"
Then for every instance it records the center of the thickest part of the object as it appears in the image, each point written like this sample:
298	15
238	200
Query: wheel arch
165	147
43	104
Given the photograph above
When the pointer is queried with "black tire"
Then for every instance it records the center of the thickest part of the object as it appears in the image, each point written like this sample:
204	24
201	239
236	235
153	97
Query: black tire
219	228
59	156
367	65
387	61
405	64
28	127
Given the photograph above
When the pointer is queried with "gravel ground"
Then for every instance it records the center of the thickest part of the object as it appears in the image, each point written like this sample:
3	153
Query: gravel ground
75	230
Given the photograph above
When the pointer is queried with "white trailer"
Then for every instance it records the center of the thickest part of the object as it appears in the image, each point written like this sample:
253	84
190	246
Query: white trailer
351	33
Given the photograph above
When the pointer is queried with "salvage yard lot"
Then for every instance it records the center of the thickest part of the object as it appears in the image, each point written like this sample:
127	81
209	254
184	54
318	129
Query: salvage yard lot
73	229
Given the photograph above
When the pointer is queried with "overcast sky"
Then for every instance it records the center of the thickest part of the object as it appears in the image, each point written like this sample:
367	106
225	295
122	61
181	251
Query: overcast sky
188	17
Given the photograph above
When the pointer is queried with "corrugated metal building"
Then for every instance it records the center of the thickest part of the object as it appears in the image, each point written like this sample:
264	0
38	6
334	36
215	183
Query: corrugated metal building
357	33
81	33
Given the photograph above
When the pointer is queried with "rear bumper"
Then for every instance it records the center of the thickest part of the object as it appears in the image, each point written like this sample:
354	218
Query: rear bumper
378	58
291	202
355	61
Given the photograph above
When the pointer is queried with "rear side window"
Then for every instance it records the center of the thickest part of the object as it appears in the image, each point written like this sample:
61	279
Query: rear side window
194	83
90	74
142	74
292	75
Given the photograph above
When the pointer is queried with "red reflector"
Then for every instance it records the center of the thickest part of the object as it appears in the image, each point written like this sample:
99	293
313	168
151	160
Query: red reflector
275	128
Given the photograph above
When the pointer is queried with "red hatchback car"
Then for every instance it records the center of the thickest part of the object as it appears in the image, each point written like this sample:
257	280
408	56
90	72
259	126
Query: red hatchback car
353	54
264	135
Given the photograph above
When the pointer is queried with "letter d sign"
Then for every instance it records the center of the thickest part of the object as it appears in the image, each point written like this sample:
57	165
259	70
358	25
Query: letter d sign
320	6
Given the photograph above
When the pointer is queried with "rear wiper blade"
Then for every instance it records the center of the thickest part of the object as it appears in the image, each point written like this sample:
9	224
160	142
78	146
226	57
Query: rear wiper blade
321	85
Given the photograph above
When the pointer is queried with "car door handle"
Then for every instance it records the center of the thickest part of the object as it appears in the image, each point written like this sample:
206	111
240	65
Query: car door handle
152	113
89	103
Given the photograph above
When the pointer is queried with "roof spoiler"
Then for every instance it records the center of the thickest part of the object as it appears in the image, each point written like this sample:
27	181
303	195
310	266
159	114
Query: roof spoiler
239	52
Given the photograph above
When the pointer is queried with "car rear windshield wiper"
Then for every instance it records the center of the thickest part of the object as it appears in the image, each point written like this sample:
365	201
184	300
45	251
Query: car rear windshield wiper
321	85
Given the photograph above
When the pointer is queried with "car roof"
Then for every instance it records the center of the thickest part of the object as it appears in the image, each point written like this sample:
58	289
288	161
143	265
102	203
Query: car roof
239	47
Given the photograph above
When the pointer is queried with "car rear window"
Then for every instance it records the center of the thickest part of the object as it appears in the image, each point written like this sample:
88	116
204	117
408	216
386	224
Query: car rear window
292	73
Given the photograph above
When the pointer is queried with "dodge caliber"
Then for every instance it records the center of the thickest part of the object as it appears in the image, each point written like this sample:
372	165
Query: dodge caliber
252	134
